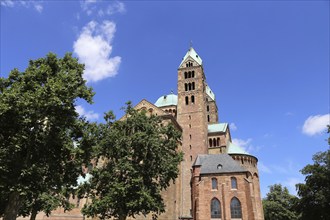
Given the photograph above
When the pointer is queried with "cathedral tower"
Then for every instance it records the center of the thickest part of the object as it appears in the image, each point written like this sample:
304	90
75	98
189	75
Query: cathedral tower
191	115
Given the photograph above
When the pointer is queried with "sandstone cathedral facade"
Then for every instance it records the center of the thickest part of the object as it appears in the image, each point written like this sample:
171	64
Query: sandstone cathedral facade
218	180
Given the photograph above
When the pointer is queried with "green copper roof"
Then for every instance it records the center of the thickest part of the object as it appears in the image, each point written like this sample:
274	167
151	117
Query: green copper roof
221	127
210	93
167	100
192	53
235	149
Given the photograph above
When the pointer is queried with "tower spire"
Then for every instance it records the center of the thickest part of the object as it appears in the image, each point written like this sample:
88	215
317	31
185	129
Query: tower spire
190	44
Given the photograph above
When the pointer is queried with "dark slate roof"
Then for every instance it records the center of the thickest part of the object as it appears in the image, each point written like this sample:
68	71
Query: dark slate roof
217	163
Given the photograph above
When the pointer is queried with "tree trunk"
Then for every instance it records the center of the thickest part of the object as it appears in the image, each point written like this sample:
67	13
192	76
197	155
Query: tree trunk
12	207
33	214
122	217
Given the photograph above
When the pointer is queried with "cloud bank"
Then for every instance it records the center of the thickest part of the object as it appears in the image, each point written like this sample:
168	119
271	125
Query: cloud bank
93	48
316	124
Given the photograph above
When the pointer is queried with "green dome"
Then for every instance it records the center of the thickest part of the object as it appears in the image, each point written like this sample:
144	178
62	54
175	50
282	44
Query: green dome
234	149
167	100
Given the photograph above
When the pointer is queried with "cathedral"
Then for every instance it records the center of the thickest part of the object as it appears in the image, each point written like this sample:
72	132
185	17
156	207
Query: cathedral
218	179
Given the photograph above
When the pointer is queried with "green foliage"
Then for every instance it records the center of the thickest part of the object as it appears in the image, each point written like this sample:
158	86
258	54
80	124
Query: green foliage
43	142
279	204
138	159
315	192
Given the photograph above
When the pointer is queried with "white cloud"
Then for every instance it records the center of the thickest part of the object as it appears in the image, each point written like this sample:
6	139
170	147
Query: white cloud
263	168
316	124
27	4
116	7
38	7
245	144
94	48
233	127
89	115
90	6
7	3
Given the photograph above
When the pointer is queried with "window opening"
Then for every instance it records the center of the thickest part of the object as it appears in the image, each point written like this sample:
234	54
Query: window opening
233	183
214	183
187	100
192	99
215	208
235	208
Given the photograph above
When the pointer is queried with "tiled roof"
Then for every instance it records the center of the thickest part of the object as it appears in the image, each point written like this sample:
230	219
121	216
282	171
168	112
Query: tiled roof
217	163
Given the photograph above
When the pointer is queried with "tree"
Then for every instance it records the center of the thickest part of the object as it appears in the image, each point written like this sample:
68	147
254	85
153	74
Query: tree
138	158
279	204
315	192
43	141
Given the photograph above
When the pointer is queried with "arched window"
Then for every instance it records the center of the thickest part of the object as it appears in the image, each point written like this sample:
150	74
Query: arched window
215	208
189	74
192	99
218	141
189	85
187	100
193	86
214	142
233	183
208	108
235	208
208	118
185	75
186	87
193	74
214	183
210	142
187	64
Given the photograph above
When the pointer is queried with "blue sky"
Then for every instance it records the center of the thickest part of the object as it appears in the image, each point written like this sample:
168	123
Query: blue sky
266	61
